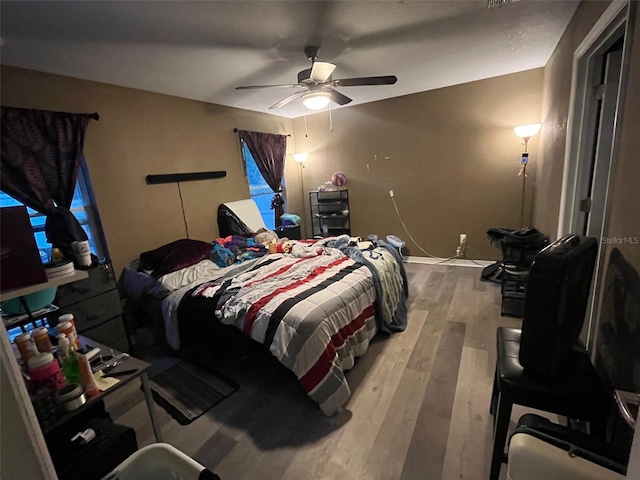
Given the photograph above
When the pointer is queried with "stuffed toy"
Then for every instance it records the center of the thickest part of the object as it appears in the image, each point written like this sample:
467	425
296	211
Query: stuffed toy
264	237
280	247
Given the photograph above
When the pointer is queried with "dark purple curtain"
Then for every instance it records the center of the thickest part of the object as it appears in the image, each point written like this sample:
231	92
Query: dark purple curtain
269	151
40	158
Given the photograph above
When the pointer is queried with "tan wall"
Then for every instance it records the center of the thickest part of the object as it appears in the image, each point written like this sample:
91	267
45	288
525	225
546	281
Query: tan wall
453	161
555	114
453	166
141	133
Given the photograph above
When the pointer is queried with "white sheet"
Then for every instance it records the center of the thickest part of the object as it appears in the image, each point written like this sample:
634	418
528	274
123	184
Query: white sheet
137	285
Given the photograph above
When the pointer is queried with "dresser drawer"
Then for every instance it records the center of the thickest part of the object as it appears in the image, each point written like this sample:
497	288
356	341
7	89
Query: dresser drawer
95	311
100	280
121	344
110	333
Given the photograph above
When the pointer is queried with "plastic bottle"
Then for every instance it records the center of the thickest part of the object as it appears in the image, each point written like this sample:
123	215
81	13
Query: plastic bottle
56	255
40	337
70	331
26	347
90	385
68	360
44	373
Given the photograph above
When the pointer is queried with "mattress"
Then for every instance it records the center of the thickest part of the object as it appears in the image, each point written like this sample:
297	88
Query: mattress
315	309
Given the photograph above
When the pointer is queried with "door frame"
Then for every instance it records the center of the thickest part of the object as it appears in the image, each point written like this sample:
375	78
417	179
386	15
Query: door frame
612	19
619	15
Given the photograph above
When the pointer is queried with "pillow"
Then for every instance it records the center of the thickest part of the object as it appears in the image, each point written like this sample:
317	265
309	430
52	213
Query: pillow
174	256
289	219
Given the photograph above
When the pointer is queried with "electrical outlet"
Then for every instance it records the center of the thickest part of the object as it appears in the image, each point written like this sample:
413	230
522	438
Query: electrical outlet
462	246
391	193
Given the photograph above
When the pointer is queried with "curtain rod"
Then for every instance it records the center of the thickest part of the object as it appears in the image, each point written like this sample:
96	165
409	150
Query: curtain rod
235	130
93	116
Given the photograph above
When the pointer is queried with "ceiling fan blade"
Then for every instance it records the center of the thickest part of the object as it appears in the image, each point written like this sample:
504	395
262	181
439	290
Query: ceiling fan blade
355	82
288	99
248	87
321	71
338	97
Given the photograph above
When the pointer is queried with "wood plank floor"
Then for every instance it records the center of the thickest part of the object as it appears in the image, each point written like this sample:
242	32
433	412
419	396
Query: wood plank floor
419	407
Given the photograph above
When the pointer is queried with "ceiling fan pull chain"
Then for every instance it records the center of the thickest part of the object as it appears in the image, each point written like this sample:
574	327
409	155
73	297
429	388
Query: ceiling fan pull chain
306	132
330	119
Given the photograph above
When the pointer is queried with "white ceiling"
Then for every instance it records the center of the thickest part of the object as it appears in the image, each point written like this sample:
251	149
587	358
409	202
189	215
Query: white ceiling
202	50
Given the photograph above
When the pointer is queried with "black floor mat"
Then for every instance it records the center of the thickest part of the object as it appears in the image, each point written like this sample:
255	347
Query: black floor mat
187	391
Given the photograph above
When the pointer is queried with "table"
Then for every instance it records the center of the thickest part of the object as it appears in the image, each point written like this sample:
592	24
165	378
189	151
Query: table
131	363
54	282
20	320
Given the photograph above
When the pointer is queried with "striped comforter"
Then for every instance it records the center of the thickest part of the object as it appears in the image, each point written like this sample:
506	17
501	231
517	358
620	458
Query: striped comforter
315	314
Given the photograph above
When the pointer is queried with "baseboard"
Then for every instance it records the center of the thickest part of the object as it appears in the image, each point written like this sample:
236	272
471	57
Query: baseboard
456	262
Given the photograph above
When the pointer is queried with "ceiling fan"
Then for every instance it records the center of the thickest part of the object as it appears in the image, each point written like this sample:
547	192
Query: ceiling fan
316	84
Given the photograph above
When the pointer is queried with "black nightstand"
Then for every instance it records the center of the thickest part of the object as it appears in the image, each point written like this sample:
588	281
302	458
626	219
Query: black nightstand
292	232
95	304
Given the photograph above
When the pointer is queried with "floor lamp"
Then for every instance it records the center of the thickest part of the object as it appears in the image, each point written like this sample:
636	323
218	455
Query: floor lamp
525	132
300	158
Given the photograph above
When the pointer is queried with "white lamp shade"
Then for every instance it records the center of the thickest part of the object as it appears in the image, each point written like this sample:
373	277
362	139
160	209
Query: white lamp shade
527	131
316	100
300	157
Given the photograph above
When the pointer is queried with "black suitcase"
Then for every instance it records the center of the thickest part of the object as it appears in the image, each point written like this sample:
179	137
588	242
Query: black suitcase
556	302
112	445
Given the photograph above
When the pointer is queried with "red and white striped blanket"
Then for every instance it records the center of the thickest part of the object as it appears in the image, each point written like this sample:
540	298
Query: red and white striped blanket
315	314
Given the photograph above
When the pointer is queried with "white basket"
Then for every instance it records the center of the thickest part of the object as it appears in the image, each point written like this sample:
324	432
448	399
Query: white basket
159	461
395	242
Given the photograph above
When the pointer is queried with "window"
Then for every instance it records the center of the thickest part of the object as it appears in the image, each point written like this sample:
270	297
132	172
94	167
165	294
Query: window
81	207
259	190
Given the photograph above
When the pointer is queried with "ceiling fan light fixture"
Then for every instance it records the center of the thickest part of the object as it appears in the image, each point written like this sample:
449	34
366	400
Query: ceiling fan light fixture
316	100
315	84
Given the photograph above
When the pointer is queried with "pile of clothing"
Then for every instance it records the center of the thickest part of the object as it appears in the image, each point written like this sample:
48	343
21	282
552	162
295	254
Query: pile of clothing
234	248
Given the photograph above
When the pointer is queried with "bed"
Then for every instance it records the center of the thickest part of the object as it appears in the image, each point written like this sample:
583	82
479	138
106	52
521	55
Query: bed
315	308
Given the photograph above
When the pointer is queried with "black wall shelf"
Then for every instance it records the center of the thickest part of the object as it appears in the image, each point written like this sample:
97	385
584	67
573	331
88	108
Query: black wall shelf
183	177
329	213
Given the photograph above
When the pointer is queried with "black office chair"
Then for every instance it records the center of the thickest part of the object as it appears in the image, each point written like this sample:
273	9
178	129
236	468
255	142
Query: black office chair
516	246
541	366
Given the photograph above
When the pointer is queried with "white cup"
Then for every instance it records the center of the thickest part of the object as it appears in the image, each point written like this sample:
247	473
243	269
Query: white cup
82	253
